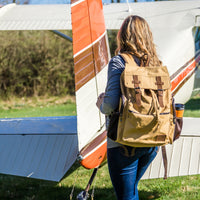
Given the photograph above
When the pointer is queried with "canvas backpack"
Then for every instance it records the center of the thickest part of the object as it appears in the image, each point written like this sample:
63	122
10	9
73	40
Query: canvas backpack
146	113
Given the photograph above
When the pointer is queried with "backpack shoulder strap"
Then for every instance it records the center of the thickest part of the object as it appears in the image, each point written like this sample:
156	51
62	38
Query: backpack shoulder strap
128	58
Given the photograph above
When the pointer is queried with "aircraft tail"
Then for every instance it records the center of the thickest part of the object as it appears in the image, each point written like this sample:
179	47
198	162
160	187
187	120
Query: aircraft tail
91	56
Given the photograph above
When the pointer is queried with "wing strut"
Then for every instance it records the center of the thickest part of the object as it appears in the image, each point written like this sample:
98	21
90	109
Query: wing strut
66	37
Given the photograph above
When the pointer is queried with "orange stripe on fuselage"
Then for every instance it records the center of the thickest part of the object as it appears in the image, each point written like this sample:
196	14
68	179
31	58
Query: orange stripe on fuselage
88	24
176	81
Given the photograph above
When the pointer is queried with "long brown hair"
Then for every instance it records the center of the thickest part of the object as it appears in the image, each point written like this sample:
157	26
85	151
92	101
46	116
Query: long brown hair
135	37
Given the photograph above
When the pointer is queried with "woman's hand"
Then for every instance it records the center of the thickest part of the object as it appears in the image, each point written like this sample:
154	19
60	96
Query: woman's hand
100	100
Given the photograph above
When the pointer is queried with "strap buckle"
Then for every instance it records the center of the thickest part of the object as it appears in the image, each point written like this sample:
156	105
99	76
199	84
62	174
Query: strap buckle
137	90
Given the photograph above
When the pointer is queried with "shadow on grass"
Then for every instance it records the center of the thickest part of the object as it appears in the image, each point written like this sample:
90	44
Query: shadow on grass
144	195
19	188
193	104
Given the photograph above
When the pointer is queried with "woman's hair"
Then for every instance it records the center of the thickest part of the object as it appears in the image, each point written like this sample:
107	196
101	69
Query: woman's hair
135	37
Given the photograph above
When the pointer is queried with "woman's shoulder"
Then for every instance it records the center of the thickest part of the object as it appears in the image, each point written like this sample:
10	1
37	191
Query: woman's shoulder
117	58
117	62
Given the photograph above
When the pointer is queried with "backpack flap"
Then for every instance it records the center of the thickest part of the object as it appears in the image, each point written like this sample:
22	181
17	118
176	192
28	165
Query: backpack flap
147	77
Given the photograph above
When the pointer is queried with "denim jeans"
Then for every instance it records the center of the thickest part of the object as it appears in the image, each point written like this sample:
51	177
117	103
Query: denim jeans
126	167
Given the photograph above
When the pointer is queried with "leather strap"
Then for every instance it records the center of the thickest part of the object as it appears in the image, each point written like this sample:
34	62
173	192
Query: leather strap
136	83
159	84
128	58
178	123
164	155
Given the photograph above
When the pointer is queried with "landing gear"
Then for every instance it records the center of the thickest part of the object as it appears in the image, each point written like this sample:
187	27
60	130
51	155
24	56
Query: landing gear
83	195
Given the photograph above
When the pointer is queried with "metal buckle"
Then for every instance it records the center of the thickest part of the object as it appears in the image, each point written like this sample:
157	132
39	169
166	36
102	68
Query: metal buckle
136	90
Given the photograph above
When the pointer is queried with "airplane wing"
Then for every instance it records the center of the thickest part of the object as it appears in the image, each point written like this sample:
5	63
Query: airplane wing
158	14
35	17
39	147
58	17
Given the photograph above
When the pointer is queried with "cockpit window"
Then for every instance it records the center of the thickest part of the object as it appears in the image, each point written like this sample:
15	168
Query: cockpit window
197	35
197	39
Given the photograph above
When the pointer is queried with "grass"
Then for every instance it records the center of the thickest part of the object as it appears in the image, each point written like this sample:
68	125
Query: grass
192	107
37	107
41	111
19	188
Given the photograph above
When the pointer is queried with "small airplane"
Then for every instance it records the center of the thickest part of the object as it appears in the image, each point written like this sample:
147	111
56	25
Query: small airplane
46	147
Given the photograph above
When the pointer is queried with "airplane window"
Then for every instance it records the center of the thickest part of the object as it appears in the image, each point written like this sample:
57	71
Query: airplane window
197	35
197	39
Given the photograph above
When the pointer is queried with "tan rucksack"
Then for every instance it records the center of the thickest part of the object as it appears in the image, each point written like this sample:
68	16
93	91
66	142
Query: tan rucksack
146	117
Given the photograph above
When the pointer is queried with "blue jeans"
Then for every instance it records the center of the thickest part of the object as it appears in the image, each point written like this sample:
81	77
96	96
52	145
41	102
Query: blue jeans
126	167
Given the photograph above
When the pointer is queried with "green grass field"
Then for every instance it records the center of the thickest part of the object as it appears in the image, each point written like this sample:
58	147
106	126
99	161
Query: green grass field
34	107
41	111
18	188
192	107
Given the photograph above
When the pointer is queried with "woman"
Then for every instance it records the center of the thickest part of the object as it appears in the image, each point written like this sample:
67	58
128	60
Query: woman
127	164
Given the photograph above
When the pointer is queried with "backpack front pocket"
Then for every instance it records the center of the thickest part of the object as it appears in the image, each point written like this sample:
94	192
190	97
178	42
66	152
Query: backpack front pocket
138	125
